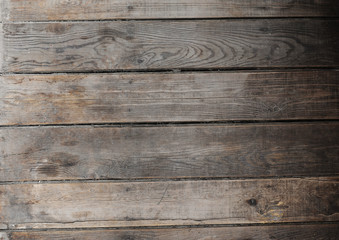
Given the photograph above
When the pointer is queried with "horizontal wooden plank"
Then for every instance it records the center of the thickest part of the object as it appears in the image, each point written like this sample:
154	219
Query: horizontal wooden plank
250	150
281	232
106	98
42	10
98	204
137	45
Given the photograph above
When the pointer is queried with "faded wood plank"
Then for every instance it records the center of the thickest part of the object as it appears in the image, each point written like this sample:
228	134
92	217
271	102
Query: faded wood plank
90	98
281	232
137	45
250	150
2	10
1	49
97	204
42	10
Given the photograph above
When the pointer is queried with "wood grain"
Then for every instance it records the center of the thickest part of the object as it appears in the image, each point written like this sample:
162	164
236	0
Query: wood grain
105	98
1	49
141	45
69	205
250	150
2	8
281	232
42	10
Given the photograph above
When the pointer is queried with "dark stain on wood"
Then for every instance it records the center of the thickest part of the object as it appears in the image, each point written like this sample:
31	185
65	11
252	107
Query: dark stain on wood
56	161
252	202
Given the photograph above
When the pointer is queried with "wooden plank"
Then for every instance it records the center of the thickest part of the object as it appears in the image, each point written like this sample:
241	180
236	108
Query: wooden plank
250	150
105	98
1	49
281	232
42	10
1	11
138	45
106	204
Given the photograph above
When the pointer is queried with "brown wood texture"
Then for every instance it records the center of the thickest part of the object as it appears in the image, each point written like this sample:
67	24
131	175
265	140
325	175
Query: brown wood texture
142	45
100	204
281	232
157	97
42	10
250	150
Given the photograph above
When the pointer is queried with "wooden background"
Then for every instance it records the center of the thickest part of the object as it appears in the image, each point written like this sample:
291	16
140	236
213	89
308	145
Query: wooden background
168	119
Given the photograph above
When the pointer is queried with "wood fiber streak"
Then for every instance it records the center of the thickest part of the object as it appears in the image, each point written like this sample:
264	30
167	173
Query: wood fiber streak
105	98
141	45
42	10
97	204
251	150
281	232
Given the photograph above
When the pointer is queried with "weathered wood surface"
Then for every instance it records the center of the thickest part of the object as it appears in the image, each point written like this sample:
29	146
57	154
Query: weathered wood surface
42	10
105	98
68	205
250	150
141	45
1	49
281	232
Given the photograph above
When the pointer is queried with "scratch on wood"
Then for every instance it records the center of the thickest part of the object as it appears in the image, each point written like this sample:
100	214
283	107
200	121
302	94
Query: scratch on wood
163	195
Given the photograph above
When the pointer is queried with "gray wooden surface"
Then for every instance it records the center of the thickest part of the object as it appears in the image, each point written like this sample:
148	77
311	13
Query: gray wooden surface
158	45
171	119
168	97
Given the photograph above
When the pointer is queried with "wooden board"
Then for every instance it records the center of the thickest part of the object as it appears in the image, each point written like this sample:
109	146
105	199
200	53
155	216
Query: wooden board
250	150
1	49
42	10
68	205
281	232
154	45
157	97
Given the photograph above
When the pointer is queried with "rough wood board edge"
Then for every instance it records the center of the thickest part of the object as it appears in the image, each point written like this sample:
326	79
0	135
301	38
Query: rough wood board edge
3	227
116	224
303	231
